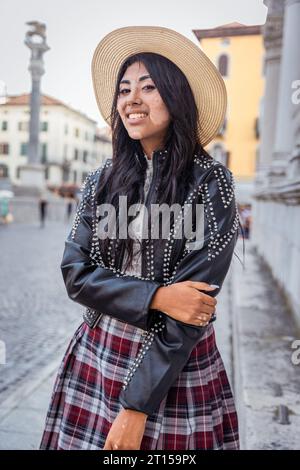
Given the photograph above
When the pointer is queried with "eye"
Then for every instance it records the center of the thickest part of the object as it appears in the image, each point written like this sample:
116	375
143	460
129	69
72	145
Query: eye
121	92
149	87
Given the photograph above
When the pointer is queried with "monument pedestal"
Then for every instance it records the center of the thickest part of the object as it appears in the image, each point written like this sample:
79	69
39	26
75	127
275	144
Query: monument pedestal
32	180
33	175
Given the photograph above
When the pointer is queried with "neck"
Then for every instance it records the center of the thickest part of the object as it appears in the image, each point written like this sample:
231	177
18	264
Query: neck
150	147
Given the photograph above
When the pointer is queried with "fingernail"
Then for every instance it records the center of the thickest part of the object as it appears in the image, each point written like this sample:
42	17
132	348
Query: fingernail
215	286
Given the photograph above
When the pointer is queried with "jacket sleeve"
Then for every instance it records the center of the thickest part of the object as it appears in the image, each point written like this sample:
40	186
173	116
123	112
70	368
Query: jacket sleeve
97	287
168	345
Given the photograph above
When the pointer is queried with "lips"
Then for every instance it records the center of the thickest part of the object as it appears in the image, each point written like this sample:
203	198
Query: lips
136	118
136	115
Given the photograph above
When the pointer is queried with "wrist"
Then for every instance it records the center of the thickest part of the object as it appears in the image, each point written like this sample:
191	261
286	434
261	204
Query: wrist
158	299
136	414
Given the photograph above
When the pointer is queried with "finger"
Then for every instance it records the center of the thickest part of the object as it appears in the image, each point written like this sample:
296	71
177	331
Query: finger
201	323
203	318
207	309
208	300
204	286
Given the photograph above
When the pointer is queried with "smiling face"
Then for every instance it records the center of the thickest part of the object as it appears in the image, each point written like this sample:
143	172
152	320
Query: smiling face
141	108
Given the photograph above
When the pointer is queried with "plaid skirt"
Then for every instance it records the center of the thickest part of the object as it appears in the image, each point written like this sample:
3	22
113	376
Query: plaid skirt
197	413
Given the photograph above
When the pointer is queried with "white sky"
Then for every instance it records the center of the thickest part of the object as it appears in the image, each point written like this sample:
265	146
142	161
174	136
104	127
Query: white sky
74	28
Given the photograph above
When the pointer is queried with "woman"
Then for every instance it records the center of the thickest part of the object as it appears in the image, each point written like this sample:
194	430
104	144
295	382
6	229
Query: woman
143	370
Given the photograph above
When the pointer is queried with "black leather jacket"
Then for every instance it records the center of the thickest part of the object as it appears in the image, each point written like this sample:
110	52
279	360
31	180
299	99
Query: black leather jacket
107	290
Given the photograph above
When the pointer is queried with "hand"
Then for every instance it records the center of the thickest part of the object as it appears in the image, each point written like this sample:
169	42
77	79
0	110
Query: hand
183	301
127	430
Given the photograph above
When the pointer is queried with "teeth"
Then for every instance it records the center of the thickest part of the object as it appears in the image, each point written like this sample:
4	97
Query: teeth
136	116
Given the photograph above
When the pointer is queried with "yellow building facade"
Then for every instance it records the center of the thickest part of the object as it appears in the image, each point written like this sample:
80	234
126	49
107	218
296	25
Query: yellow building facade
237	51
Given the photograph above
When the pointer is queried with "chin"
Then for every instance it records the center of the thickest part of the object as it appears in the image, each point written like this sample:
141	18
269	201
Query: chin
136	135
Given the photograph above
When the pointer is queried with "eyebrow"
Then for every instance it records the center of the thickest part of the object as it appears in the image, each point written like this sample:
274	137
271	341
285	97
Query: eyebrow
143	77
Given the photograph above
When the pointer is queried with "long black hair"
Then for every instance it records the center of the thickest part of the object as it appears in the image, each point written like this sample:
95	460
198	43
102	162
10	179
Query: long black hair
126	176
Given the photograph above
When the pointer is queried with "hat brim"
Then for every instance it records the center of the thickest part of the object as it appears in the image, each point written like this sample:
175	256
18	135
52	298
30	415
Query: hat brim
205	80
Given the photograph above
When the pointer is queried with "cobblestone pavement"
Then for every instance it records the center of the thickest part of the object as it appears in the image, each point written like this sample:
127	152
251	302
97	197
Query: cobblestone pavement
37	317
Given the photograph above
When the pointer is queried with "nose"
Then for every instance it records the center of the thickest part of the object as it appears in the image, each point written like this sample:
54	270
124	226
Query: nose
133	97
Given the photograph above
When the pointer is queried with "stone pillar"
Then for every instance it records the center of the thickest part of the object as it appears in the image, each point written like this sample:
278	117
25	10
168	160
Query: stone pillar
272	32
32	174
289	73
3	92
293	170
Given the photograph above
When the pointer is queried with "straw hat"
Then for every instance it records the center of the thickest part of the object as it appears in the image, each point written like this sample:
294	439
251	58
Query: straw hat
205	81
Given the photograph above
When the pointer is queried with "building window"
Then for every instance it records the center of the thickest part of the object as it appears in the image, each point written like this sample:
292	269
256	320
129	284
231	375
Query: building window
44	152
66	129
23	125
18	172
4	149
65	152
76	154
85	156
4	172
223	65
44	126
76	132
4	125
257	128
47	173
86	135
66	171
225	42
74	176
23	149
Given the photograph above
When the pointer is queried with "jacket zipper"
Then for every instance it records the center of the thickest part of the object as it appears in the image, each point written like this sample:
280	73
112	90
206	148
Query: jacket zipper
148	198
146	202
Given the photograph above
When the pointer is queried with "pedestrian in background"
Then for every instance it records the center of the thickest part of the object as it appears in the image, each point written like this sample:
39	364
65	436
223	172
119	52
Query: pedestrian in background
43	203
69	209
246	220
5	214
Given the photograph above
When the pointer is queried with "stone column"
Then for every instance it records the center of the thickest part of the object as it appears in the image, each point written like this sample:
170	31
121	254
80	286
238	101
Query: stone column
272	32
3	92
33	174
289	73
293	170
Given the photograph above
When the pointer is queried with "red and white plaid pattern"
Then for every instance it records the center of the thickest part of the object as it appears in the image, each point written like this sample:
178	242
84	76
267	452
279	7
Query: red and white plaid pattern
197	413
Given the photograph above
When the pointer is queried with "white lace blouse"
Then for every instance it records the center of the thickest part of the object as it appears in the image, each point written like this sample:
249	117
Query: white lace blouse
137	225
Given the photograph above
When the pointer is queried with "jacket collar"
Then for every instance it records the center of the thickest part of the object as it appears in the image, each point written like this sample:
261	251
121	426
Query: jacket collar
159	155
